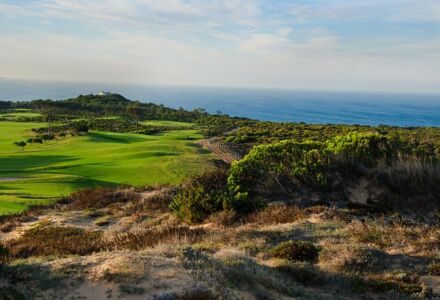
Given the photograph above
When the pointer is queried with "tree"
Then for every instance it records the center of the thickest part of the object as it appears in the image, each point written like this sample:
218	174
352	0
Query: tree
20	144
135	111
80	127
47	110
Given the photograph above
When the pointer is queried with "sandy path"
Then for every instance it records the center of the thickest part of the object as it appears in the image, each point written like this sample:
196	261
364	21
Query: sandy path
226	157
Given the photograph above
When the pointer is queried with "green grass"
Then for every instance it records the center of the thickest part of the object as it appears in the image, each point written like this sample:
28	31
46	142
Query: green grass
59	167
168	123
17	113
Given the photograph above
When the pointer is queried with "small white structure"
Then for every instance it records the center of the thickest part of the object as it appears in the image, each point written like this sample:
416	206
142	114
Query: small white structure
102	93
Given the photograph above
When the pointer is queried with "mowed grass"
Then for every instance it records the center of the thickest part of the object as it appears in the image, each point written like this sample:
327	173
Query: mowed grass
168	123
18	113
42	173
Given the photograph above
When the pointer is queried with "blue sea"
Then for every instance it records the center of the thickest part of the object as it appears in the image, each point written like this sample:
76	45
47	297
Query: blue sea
264	104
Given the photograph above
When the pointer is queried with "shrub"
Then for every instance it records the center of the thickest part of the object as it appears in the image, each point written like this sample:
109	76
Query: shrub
284	167
201	196
20	144
363	147
47	137
296	250
41	240
80	127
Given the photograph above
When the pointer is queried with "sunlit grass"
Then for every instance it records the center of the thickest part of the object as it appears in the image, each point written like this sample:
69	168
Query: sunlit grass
44	172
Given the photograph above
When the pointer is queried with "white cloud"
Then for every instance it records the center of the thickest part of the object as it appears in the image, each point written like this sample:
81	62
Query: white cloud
216	42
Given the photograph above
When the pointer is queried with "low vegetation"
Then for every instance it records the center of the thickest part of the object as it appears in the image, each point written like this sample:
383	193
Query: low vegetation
296	250
135	207
54	240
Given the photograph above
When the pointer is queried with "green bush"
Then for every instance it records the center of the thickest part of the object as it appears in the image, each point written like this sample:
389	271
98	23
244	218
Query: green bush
201	196
283	167
363	147
296	250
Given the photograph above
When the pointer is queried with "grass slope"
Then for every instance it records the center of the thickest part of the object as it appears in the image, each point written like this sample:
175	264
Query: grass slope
43	172
168	123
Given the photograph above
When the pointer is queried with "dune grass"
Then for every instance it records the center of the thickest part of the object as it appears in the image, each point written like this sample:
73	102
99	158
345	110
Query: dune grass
44	172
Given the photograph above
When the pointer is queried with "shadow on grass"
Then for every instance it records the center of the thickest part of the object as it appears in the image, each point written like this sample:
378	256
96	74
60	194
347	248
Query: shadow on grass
24	163
26	281
100	137
290	278
199	148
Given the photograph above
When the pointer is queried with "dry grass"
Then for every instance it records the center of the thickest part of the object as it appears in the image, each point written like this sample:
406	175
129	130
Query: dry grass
402	283
350	259
122	269
273	215
170	232
434	268
395	234
99	198
413	176
196	292
55	240
156	202
233	269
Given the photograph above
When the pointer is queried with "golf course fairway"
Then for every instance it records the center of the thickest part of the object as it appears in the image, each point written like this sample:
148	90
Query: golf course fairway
40	173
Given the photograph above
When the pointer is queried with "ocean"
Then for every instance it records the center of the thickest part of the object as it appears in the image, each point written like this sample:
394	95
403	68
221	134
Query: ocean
322	107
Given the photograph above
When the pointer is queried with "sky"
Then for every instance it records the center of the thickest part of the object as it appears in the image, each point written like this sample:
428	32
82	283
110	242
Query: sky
369	45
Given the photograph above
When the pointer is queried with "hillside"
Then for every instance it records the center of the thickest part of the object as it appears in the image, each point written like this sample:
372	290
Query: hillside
137	207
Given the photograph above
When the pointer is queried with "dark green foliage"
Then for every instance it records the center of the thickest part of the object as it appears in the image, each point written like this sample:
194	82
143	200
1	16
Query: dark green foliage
296	250
47	136
80	127
109	105
113	125
41	241
282	168
421	141
362	147
201	196
20	144
34	141
288	169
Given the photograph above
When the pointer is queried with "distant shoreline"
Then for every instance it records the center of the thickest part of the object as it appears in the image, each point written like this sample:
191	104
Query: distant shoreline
316	107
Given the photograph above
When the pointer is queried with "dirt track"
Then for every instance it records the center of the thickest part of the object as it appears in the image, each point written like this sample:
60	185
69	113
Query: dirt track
225	156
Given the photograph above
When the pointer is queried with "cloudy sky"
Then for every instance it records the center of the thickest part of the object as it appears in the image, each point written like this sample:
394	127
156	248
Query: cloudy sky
373	45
